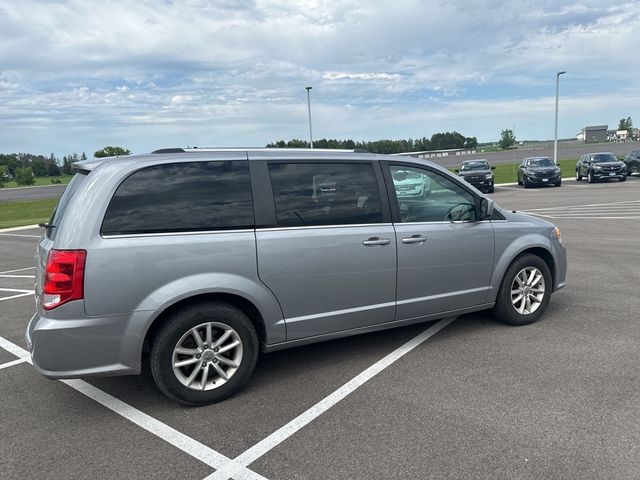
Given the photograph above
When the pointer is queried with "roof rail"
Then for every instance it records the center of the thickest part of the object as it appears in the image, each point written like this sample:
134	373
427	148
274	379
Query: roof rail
245	149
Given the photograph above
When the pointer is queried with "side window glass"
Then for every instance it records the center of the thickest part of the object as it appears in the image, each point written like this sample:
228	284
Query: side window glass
425	196
308	194
178	197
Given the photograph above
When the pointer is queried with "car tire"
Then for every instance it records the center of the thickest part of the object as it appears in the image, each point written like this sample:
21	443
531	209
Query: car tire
491	189
519	181
578	176
559	183
590	177
512	310
191	371
623	179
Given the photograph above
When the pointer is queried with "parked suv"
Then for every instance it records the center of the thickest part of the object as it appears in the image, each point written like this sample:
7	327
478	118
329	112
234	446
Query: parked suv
539	171
201	259
478	173
632	161
600	166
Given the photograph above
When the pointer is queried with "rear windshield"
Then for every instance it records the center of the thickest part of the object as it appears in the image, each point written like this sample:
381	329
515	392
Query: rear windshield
69	192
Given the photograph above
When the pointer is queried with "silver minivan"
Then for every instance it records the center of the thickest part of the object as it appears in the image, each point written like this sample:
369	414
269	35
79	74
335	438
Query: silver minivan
200	259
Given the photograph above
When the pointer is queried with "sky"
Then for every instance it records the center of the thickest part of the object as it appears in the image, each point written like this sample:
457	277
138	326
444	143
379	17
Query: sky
79	75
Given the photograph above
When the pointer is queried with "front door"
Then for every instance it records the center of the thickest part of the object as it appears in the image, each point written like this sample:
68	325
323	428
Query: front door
445	255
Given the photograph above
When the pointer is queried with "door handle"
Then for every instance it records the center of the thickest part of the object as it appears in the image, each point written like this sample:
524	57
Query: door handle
373	241
415	239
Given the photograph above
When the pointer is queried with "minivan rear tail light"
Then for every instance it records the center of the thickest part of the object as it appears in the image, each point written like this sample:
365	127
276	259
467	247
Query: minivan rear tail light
63	278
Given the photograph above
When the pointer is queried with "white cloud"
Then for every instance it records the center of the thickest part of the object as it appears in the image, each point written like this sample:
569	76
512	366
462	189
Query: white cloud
234	72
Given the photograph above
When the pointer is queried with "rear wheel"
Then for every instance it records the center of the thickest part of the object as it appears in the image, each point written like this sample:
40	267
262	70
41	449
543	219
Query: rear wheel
524	292
204	353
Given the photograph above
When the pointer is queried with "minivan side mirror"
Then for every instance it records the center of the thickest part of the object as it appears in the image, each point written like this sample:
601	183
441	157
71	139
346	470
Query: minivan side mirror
486	208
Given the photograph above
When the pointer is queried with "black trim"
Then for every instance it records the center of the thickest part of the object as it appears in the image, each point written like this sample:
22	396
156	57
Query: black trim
264	206
169	150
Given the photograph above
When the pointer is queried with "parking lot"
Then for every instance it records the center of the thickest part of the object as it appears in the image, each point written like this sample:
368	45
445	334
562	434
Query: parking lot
462	398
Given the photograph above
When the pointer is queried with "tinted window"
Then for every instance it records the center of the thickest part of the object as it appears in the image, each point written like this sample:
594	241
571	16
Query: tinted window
325	194
435	199
178	197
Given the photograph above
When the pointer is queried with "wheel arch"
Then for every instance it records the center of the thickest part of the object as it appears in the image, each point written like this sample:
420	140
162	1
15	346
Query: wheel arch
244	305
506	261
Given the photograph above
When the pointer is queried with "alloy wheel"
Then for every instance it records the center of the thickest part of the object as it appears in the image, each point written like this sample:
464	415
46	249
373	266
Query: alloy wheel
207	356
527	290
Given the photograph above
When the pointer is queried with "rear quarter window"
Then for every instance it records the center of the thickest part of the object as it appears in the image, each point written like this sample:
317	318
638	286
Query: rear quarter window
179	197
59	211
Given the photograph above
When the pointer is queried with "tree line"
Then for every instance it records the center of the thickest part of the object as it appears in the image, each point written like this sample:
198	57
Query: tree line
24	167
438	141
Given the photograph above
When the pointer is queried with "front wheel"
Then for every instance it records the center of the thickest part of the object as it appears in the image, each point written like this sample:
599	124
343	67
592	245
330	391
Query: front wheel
524	292
578	176
559	183
204	353
623	179
590	177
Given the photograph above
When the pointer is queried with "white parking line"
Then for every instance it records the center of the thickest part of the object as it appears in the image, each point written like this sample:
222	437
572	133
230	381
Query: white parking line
12	363
19	292
280	435
17	229
26	294
18	235
165	432
18	270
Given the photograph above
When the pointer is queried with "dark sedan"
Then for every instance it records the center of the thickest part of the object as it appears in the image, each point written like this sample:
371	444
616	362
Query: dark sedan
478	173
539	171
600	166
632	161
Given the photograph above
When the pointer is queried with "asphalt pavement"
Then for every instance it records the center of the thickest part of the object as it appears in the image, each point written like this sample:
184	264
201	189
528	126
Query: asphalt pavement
31	193
557	399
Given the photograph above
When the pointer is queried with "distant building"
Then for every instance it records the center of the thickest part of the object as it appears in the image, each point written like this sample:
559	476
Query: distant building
596	133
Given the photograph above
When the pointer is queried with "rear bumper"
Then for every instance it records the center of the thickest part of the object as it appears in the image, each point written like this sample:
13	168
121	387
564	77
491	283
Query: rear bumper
84	346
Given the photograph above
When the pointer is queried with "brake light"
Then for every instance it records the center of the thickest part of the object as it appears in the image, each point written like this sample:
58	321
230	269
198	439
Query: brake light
63	278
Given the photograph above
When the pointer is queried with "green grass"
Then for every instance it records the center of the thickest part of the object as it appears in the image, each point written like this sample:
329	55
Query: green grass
64	179
29	212
508	172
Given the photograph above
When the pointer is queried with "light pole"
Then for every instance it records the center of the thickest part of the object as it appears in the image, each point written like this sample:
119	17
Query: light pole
309	107
555	136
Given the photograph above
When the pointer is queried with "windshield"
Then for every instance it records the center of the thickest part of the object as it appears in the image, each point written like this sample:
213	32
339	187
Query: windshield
603	158
479	165
541	162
